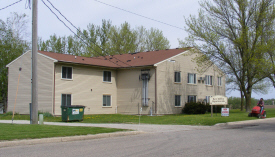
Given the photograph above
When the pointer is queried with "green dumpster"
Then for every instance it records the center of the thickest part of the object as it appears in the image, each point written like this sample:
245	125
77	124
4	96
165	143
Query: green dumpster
72	113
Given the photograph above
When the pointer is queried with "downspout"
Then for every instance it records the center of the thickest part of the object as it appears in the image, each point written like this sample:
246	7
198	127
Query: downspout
156	90
54	88
214	82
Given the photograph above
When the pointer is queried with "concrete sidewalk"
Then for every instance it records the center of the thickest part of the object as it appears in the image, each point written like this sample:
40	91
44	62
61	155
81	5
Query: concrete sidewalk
137	129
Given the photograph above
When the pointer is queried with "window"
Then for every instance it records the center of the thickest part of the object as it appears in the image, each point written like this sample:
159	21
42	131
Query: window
208	80
66	100
219	81
106	100
191	78
207	99
177	76
177	100
191	98
107	76
67	72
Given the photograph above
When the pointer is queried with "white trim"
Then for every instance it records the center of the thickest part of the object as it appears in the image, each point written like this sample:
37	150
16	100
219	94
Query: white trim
195	78
29	51
170	58
17	58
110	100
54	60
67	94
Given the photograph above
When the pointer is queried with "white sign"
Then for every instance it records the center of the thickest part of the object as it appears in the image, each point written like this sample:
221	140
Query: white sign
218	100
225	111
75	111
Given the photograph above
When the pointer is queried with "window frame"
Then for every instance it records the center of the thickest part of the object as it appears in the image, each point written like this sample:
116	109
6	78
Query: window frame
209	80
219	81
66	73
177	77
194	78
110	100
107	78
177	100
66	95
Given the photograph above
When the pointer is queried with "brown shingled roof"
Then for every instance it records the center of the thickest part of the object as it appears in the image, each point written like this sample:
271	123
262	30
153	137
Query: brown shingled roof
118	61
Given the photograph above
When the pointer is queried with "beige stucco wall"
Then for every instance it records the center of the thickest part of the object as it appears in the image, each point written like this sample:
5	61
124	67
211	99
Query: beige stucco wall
167	88
45	84
87	88
129	89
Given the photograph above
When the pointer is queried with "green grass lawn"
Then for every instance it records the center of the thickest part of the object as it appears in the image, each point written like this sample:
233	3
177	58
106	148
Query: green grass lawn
177	119
24	131
17	131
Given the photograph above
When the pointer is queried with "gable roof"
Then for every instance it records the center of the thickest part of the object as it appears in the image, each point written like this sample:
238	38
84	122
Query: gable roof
138	59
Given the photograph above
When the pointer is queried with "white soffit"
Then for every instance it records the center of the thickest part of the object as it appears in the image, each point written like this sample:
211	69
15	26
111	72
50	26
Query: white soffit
170	58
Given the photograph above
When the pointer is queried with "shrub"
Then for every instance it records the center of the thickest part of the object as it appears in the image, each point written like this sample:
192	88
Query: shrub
10	113
194	108
45	114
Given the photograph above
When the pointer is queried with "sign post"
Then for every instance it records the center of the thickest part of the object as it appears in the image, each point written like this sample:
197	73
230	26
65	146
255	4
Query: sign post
218	100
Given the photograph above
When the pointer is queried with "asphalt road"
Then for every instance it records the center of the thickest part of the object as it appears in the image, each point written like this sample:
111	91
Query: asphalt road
250	138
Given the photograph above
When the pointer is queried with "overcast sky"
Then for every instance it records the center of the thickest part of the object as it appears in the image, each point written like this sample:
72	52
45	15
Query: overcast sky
84	12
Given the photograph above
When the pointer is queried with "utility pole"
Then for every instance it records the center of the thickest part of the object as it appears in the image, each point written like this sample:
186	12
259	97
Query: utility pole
34	97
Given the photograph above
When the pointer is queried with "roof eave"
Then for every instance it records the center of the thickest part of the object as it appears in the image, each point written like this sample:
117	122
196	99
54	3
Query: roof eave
156	64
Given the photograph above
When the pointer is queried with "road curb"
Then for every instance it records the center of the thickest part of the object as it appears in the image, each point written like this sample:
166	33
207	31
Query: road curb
243	122
66	139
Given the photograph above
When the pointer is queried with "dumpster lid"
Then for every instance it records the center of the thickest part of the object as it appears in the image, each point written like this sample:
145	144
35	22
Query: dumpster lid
74	106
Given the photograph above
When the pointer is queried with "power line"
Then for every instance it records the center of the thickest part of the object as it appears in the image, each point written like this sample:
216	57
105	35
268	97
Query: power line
78	31
139	15
10	5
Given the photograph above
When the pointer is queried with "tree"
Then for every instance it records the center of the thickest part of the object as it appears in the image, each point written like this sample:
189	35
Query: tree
12	45
122	40
238	36
106	40
154	40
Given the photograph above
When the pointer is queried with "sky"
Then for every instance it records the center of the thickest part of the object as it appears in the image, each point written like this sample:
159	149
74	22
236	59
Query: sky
165	15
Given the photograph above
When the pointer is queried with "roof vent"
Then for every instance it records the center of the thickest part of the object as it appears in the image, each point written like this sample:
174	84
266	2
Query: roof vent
75	57
128	60
83	59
